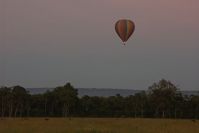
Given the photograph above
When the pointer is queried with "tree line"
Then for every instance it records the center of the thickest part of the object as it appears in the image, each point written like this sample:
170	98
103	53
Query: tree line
161	100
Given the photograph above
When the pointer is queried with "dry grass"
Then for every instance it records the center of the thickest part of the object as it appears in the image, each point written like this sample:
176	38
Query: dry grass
97	125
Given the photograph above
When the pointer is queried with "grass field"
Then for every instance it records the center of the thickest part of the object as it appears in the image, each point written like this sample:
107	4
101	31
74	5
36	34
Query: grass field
97	125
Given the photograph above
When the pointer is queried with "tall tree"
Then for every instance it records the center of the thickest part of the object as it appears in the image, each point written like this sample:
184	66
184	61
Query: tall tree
5	95
20	96
194	103
67	97
162	96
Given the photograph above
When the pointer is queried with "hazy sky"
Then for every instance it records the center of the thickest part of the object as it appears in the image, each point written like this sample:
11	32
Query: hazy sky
45	43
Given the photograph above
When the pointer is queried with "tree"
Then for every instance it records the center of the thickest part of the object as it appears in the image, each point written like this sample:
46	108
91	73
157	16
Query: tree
5	98
67	97
162	97
20	96
194	103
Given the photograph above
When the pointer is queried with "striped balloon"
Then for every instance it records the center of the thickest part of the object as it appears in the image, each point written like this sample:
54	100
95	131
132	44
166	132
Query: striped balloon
124	28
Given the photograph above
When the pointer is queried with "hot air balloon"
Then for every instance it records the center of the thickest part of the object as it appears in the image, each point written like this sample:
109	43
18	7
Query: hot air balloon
124	28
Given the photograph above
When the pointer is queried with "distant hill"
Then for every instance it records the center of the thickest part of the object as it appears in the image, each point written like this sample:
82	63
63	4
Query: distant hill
102	91
106	92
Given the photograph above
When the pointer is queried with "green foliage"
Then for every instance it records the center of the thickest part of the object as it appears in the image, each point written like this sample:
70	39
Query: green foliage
163	97
161	100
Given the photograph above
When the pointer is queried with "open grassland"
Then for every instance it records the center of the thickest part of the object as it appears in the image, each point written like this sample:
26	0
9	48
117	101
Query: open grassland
97	125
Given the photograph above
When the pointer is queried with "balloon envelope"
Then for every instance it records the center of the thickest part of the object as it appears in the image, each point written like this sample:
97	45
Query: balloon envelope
124	28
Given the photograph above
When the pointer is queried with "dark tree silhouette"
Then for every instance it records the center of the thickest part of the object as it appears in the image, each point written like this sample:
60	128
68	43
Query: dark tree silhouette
162	100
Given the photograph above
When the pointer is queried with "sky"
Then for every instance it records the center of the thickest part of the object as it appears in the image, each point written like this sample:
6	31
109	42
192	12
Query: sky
46	43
